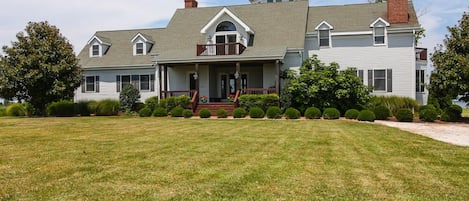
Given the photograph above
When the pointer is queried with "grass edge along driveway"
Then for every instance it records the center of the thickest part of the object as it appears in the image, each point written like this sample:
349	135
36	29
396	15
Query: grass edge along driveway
117	158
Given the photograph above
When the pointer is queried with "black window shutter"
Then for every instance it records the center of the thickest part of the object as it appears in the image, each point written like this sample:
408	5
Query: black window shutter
118	83
83	84
360	74
389	77
370	79
152	82
97	84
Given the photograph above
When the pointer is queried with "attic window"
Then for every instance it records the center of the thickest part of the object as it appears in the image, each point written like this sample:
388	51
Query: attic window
226	26
139	48
95	50
324	38
379	35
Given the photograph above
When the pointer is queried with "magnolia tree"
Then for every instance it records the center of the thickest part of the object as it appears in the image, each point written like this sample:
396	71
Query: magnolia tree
323	86
451	60
39	68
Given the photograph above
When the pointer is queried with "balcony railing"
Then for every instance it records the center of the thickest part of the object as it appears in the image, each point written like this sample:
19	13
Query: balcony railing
220	49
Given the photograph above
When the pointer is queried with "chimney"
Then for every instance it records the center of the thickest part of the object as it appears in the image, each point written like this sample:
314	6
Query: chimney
191	3
398	11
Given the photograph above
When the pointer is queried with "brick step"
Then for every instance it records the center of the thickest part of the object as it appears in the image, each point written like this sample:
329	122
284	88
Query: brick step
213	107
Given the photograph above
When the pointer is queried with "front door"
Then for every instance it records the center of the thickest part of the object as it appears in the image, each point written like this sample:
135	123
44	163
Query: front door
227	85
222	47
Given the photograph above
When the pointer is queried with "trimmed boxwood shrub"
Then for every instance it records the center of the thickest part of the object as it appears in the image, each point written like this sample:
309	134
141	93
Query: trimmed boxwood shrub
145	112
262	101
381	112
63	108
2	110
82	109
292	113
313	113
160	112
152	102
187	113
452	113
205	113
174	101
107	107
15	110
352	114
256	113
239	113
428	115
274	112
405	115
331	113
366	115
221	113
429	106
177	111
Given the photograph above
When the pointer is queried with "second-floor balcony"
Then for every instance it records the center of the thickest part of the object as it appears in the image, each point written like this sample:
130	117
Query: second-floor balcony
220	49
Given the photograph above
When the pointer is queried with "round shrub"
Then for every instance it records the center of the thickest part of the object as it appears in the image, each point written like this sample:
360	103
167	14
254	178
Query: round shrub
107	108
221	113
205	113
2	110
274	112
331	113
429	106
177	111
452	113
256	113
292	113
366	115
15	110
239	113
152	102
382	112
160	112
313	113
145	112
352	114
428	115
187	113
62	108
404	115
82	109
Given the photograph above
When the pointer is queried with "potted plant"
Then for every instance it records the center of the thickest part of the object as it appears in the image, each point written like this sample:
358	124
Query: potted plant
204	99
231	98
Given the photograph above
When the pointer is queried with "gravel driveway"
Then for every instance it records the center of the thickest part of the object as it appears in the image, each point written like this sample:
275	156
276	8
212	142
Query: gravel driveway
453	133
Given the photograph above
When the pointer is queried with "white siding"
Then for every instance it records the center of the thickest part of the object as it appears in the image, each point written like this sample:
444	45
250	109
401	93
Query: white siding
107	85
400	60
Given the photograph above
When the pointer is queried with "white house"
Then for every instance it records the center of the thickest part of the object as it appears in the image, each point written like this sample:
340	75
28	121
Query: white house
222	51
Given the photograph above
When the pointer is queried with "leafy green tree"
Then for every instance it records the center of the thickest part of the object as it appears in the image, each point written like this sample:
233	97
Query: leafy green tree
451	60
129	97
39	68
323	86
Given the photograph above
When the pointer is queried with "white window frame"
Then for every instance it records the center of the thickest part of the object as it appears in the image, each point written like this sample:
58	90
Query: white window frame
380	78
388	81
95	84
139	84
420	80
380	23
324	26
93	50
137	48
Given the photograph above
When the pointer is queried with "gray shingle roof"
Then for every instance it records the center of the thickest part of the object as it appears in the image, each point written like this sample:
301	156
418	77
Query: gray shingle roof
354	17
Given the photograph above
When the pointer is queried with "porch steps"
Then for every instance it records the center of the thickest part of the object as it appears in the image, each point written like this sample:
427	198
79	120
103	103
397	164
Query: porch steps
213	107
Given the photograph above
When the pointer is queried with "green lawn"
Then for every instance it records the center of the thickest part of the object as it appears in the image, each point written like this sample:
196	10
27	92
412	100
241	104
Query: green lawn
119	158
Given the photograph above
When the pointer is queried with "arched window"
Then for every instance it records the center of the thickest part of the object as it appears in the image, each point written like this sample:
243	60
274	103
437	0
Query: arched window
226	26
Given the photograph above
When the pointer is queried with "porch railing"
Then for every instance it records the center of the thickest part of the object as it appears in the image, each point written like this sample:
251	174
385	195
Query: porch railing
220	49
258	91
195	100
236	101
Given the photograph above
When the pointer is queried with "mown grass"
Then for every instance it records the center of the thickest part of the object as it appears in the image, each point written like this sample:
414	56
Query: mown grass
116	158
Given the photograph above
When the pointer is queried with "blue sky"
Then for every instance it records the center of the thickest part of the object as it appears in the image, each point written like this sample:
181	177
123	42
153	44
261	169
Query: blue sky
78	20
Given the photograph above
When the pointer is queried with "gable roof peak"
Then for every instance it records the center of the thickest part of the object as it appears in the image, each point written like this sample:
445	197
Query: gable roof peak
225	11
380	20
146	38
323	23
101	40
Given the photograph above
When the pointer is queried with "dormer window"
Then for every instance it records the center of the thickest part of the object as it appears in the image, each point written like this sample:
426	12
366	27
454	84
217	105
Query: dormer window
98	46
139	48
324	34
379	31
95	50
142	44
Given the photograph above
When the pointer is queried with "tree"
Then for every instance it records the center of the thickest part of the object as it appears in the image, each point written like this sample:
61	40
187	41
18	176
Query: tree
451	60
39	68
324	86
129	97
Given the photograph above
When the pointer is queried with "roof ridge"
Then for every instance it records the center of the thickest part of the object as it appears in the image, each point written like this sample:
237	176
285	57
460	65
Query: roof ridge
123	30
